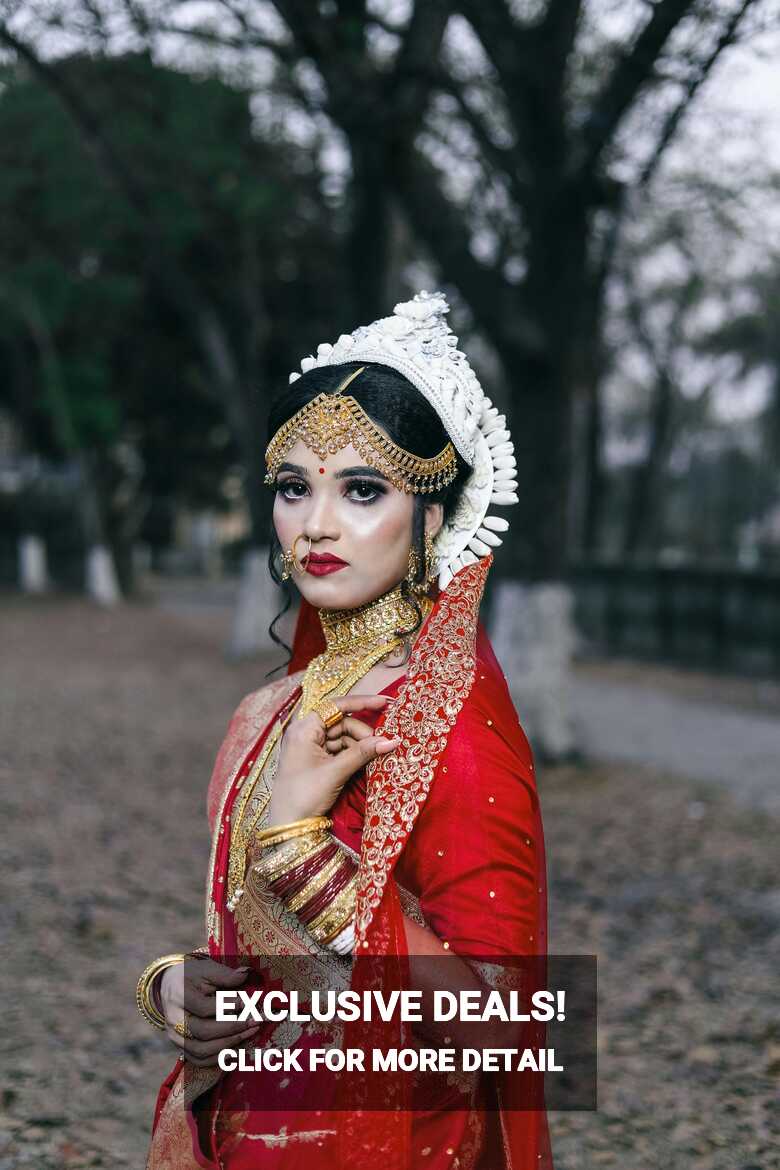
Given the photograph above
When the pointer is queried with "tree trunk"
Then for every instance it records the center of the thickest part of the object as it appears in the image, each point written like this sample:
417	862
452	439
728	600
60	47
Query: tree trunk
100	575
259	600
534	635
641	521
33	572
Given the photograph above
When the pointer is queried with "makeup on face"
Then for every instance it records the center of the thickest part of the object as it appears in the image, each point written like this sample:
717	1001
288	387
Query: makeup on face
359	524
320	564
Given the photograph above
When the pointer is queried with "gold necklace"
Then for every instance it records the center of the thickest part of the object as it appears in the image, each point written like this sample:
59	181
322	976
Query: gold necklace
355	640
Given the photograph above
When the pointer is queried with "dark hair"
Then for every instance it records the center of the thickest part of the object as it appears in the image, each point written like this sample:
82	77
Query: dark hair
399	408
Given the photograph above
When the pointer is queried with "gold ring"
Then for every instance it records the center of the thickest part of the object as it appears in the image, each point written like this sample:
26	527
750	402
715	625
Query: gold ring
182	1029
299	568
329	713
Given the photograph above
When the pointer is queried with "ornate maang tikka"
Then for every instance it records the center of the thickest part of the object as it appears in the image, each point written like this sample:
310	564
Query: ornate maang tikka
331	422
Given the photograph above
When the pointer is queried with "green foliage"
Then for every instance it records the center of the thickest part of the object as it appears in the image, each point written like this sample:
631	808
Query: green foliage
91	353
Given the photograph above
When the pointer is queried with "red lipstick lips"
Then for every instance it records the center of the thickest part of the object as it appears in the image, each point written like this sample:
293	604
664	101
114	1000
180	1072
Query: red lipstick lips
319	564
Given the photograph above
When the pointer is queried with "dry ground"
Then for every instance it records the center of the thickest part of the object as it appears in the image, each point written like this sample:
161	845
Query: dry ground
108	728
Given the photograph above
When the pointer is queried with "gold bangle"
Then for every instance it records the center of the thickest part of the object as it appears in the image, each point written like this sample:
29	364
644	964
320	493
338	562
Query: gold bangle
271	868
316	882
335	916
143	998
275	834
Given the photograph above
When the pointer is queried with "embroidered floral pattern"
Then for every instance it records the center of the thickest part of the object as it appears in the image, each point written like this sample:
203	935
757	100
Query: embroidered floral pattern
247	723
440	677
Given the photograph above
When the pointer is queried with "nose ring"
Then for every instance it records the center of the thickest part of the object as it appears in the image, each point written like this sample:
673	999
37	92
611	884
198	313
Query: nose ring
299	568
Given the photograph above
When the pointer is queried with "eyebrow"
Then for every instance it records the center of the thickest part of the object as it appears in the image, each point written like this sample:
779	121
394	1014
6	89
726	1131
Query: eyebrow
346	473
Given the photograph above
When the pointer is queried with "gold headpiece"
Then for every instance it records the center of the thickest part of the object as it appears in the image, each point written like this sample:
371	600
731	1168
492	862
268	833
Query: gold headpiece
331	422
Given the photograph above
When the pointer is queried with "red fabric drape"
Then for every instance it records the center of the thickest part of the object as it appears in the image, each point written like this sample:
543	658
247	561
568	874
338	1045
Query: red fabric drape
453	817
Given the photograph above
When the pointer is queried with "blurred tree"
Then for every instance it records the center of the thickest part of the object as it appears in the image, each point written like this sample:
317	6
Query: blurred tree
515	137
208	207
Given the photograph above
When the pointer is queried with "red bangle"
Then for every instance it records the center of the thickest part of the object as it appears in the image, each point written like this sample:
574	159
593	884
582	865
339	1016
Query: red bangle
294	879
328	892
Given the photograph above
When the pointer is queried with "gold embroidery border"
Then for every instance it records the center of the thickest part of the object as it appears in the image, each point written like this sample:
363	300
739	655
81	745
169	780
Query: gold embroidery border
272	698
440	676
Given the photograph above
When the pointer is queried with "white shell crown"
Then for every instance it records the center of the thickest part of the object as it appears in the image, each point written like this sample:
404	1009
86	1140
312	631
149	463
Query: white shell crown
418	343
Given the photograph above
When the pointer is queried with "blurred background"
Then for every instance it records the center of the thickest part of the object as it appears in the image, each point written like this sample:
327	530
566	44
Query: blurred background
193	196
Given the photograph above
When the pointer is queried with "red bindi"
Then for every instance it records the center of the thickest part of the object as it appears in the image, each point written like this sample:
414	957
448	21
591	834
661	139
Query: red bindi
322	471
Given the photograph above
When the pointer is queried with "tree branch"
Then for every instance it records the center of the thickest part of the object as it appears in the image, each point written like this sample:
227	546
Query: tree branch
412	74
440	224
558	29
520	55
632	72
671	123
508	161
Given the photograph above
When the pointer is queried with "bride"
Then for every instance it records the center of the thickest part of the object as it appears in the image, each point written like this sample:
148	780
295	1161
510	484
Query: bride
375	811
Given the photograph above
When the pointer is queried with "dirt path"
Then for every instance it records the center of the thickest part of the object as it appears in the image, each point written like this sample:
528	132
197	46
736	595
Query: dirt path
629	722
109	724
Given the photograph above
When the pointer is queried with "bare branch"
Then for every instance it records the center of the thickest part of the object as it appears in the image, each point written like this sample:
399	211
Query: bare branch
671	123
519	55
420	46
508	161
633	71
558	30
441	225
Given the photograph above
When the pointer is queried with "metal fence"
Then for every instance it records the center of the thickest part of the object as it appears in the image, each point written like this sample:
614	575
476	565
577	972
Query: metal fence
718	619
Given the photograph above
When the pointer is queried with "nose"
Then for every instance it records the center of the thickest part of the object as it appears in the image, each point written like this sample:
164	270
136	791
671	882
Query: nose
320	520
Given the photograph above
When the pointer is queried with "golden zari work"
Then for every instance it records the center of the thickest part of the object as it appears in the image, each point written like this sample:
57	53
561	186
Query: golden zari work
331	422
355	640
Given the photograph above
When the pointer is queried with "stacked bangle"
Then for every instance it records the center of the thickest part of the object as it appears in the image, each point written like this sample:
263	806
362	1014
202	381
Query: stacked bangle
144	992
277	833
305	866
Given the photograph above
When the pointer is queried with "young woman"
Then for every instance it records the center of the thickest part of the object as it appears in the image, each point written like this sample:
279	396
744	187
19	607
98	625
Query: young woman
375	811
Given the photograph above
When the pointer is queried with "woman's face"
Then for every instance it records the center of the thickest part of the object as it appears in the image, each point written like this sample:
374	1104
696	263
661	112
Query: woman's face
359	523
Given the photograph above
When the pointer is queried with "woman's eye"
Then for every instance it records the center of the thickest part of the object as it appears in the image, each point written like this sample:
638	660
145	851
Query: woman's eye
363	490
291	489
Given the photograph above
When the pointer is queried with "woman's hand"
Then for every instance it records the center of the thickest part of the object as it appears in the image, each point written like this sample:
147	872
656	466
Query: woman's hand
188	995
314	765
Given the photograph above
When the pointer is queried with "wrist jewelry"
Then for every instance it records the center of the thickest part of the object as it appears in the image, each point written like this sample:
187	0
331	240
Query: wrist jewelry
143	992
297	900
327	925
292	875
278	833
314	878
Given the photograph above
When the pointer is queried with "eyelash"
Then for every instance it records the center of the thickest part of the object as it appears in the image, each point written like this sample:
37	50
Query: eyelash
376	489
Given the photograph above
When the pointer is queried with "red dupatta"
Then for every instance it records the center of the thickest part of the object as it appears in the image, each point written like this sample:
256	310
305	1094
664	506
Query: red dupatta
453	692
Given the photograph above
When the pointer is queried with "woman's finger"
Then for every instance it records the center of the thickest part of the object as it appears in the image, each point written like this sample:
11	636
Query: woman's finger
348	703
199	998
350	726
225	1030
215	974
359	754
195	1049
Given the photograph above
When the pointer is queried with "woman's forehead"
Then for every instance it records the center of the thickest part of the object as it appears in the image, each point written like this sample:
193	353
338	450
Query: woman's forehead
339	461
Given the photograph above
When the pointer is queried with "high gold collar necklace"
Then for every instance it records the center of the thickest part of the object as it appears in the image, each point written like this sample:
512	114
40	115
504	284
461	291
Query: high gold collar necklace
349	630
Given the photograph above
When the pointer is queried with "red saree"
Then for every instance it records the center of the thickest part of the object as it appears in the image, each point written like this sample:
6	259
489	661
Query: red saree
448	830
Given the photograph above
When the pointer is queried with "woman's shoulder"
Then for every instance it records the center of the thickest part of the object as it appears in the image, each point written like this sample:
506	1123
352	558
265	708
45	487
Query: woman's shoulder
489	718
248	720
259	704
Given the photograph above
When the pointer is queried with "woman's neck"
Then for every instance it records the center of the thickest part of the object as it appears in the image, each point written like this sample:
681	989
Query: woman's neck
349	630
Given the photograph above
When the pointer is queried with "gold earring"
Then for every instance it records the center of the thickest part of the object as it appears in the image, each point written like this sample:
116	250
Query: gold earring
421	586
413	568
299	568
287	564
430	560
